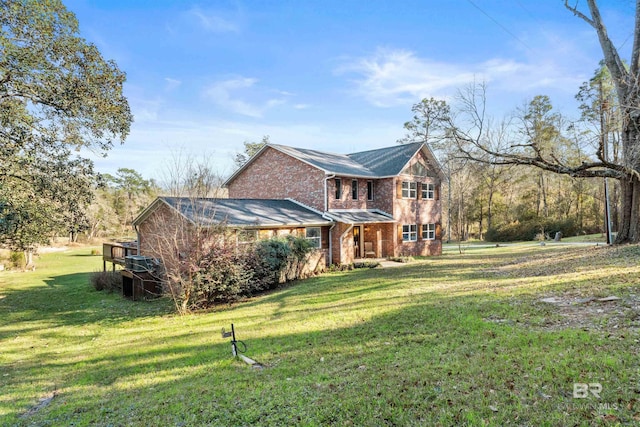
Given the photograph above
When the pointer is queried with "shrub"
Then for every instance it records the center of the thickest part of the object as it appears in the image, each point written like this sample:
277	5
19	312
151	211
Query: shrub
95	251
366	264
109	281
531	229
222	276
17	260
224	272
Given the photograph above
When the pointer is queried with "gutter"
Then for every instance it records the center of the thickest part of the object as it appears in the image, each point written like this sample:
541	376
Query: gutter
326	196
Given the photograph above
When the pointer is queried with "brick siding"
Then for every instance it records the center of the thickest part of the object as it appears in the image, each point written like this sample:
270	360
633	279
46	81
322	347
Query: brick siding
275	175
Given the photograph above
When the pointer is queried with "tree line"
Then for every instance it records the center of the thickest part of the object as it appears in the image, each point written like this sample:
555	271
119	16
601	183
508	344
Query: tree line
534	171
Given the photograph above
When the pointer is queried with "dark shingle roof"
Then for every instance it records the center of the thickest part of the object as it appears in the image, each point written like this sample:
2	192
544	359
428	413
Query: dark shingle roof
383	162
245	212
380	163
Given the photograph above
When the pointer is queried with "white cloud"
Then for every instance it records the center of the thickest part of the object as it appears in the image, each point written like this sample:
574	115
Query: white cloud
171	84
395	77
227	93
212	22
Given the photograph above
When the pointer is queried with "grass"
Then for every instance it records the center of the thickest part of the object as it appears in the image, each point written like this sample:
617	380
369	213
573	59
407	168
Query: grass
461	339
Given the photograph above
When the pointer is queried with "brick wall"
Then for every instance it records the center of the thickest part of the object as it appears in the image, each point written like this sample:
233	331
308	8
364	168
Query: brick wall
275	175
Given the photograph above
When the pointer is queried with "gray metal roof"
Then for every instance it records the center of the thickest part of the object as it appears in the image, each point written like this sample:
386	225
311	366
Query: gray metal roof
339	164
245	212
359	216
382	162
388	161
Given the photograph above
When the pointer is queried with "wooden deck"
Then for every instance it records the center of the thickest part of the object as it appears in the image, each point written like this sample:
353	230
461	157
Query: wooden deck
116	252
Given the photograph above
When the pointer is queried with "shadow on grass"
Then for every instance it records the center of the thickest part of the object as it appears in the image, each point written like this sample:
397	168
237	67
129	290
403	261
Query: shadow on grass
69	300
429	362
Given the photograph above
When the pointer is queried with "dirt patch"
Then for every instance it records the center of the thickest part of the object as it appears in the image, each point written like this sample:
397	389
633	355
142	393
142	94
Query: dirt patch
44	401
591	313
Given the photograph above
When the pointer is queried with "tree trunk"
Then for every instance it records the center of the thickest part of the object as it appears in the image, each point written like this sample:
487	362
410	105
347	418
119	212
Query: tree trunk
629	228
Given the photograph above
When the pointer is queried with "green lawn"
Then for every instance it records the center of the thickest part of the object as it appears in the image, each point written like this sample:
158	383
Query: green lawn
462	339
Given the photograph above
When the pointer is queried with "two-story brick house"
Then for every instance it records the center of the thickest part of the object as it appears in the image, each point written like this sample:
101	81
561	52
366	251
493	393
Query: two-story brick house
383	202
376	203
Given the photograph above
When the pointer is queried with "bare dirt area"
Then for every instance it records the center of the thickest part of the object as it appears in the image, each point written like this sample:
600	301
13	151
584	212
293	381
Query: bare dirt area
609	313
595	288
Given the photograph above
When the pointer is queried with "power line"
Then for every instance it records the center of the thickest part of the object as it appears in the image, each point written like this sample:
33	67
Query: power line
505	29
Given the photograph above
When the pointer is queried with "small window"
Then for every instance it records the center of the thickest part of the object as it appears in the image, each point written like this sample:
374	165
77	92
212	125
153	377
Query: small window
369	190
354	189
428	191
429	231
408	190
409	233
338	188
313	235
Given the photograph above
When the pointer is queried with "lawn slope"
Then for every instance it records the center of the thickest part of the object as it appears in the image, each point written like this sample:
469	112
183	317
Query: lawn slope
493	336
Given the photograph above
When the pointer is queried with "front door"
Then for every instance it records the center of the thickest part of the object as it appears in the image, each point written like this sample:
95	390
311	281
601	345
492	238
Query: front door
356	242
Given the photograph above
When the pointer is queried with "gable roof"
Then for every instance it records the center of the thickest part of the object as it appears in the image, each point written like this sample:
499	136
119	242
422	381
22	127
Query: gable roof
379	163
239	212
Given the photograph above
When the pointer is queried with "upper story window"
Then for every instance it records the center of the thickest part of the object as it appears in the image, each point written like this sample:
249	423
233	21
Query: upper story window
314	236
409	190
409	233
428	191
369	190
429	231
338	188
354	189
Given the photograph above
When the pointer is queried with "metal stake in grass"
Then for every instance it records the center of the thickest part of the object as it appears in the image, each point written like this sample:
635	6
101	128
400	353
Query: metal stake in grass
236	351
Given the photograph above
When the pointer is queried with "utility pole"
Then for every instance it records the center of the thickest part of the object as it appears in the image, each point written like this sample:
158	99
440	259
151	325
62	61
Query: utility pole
604	143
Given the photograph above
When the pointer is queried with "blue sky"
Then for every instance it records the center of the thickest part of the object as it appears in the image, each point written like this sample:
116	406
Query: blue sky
339	76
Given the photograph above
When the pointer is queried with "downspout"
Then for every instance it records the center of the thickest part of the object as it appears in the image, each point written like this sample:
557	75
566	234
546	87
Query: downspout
326	208
331	244
135	227
326	196
342	237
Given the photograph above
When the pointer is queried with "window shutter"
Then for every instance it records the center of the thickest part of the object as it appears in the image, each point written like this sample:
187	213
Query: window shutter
437	192
438	231
399	188
419	231
418	190
400	234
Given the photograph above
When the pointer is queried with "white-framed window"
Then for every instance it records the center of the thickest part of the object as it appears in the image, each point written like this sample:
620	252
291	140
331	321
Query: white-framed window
428	191
369	190
409	190
314	236
429	231
338	188
409	233
354	189
246	236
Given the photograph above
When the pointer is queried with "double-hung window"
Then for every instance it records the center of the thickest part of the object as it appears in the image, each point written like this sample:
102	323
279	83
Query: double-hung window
338	188
409	233
408	190
369	190
428	191
314	236
429	231
354	189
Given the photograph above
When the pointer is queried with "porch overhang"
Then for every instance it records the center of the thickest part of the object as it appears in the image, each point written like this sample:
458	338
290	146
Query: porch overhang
359	216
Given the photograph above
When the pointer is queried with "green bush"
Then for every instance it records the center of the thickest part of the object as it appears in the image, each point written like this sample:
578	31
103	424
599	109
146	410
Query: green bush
109	281
529	229
17	260
226	272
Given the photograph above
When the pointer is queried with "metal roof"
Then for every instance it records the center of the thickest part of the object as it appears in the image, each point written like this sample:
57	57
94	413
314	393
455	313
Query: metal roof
360	216
245	212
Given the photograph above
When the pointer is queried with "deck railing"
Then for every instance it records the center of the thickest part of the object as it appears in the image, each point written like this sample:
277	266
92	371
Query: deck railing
116	252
